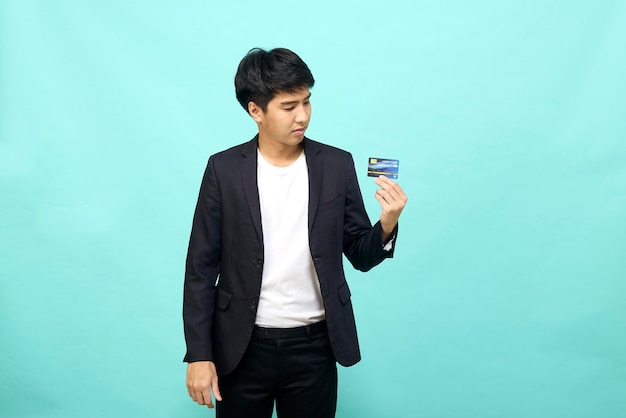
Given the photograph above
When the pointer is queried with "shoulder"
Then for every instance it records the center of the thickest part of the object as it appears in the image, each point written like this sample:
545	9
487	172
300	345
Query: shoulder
227	155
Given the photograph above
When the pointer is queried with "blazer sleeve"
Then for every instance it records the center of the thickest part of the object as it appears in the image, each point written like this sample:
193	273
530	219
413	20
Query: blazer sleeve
362	243
202	269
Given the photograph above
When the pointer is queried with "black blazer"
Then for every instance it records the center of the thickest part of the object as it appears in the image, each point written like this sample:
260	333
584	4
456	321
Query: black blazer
225	256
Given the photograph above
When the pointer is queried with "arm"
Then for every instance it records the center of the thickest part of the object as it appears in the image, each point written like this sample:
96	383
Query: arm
363	244
202	270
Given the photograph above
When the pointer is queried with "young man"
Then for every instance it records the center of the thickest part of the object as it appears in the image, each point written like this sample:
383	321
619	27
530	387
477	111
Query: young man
267	309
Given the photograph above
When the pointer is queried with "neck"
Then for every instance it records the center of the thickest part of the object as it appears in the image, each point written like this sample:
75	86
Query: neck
280	155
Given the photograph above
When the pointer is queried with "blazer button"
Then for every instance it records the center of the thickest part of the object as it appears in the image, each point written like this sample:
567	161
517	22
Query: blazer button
253	305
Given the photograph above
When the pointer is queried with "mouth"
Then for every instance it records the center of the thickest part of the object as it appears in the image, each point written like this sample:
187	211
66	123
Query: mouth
299	131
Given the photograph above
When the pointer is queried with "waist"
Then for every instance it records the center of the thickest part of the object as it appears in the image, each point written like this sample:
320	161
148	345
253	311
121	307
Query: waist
318	328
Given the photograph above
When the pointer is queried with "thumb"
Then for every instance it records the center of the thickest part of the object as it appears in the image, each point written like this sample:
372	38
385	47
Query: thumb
216	390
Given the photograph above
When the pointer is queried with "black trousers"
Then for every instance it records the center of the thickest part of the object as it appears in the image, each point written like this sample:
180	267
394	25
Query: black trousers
293	367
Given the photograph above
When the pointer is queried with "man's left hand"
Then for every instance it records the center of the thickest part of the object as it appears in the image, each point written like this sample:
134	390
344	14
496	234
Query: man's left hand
392	200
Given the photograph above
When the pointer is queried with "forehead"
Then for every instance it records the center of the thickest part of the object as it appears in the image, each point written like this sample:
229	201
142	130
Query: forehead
290	97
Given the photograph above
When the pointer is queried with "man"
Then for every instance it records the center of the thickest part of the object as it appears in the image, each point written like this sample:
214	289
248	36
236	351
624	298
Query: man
267	310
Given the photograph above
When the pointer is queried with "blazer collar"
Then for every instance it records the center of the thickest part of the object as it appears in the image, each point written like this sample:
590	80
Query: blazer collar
247	166
316	176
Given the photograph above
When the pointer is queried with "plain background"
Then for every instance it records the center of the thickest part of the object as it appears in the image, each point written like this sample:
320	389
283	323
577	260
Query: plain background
506	295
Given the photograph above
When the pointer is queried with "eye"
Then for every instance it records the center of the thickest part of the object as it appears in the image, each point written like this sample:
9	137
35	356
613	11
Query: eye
290	108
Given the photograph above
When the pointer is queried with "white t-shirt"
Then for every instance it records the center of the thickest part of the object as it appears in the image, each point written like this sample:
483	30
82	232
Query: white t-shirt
290	291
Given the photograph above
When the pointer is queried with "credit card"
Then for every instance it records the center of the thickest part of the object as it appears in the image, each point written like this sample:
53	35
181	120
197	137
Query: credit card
383	167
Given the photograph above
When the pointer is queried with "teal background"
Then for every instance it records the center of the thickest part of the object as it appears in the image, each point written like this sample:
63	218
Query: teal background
506	295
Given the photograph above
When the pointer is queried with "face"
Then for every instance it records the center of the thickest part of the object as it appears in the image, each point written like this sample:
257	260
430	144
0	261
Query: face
285	120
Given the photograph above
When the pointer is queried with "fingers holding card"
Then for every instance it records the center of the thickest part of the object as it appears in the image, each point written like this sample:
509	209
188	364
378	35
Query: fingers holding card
390	195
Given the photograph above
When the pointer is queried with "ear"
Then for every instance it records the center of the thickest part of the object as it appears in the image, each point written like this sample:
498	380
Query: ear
255	111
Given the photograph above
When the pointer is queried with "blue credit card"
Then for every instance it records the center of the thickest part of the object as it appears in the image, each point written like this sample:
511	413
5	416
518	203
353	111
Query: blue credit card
383	167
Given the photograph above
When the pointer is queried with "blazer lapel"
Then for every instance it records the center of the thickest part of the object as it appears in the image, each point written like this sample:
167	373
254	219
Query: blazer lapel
248	167
316	173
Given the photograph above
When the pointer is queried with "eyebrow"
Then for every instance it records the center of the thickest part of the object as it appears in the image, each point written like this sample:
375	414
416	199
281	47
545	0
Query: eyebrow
290	102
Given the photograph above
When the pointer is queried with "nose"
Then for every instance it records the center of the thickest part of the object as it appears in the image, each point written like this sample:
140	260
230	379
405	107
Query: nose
303	114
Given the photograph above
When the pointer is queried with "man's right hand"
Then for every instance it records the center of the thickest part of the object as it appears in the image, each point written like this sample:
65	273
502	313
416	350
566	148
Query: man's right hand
201	381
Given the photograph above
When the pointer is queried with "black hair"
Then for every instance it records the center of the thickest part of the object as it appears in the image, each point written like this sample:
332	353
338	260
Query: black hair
261	75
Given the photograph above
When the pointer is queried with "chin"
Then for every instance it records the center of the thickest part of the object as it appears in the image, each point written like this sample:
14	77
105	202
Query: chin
295	140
